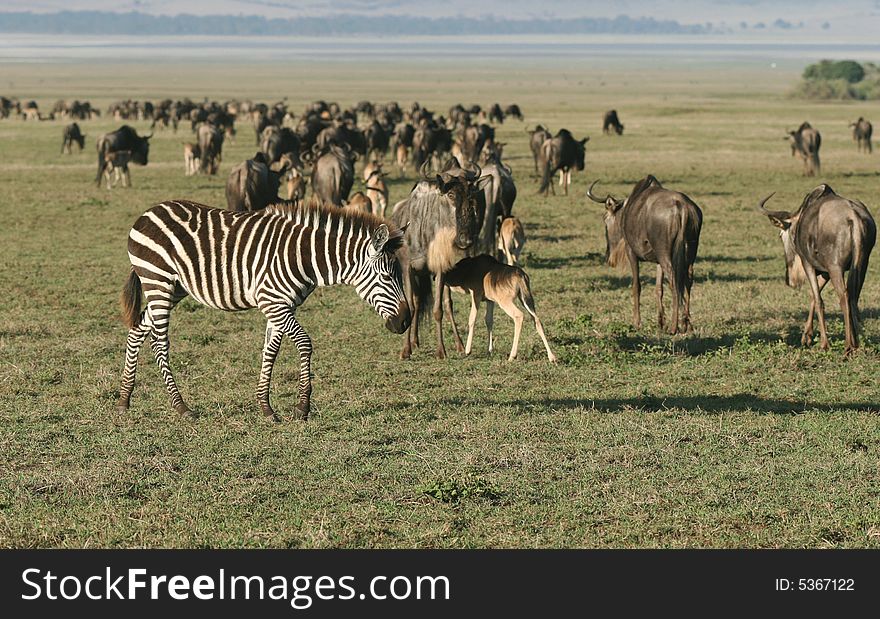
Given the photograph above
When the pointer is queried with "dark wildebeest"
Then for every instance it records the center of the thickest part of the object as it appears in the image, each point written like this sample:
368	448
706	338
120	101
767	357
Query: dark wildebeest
610	122
430	142
805	143
514	111
537	137
343	134
124	138
473	139
495	114
333	174
827	236
252	185
655	225
377	140
862	130
279	141
442	228
211	147
72	135
560	153
402	141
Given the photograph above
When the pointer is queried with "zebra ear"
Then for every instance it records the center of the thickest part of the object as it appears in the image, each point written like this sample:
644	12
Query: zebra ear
380	238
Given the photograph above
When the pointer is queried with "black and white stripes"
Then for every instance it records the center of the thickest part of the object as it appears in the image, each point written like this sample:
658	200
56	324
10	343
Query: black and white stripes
271	259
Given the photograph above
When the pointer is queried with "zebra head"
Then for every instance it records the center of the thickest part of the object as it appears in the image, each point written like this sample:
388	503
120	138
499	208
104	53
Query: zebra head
381	281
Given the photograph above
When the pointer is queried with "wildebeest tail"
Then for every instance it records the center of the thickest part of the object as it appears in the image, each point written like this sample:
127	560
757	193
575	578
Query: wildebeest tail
546	174
857	271
679	255
423	292
130	300
101	165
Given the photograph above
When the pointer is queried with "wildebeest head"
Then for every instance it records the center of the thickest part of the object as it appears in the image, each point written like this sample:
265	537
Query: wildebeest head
463	188
614	241
140	150
794	268
580	150
384	291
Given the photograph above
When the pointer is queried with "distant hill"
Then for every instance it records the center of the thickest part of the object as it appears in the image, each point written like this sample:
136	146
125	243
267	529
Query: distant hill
132	23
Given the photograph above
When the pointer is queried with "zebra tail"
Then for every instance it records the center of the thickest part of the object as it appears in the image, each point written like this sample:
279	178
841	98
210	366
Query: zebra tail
131	300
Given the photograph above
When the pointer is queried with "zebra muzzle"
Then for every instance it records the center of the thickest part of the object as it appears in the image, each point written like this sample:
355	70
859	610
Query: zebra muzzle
401	320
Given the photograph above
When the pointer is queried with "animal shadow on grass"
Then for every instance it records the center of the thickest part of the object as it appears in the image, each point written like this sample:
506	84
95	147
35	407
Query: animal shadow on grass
537	262
696	346
708	404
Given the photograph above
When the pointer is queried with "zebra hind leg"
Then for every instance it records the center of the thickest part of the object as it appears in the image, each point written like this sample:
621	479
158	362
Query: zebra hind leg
271	346
160	314
133	344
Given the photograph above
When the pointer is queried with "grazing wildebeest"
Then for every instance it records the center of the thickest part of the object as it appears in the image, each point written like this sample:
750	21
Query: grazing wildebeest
862	130
610	122
805	143
296	249
252	185
655	225
511	239
561	153
333	174
211	147
116	165
827	236
192	156
124	138
441	213
514	111
537	137
72	135
495	114
486	279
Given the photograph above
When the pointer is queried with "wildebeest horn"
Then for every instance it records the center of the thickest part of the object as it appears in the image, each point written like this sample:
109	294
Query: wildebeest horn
147	137
594	198
425	169
774	214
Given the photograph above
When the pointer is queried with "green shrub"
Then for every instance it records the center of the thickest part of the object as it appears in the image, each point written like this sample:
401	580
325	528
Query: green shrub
848	70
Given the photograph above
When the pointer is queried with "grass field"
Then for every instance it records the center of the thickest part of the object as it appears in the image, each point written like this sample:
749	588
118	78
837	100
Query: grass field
731	436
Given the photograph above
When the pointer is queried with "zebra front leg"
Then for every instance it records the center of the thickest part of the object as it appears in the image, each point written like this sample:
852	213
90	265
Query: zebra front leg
271	346
282	319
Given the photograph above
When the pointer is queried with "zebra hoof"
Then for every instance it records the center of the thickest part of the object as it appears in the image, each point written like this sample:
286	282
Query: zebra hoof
303	410
122	406
185	411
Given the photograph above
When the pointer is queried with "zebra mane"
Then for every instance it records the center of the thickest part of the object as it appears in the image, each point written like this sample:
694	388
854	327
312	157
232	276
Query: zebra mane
315	215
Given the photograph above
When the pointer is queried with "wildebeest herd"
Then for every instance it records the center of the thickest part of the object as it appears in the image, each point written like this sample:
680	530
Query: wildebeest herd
454	232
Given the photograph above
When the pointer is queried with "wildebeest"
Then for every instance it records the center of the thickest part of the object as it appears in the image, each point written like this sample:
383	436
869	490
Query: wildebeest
495	114
511	239
862	130
655	225
431	142
537	137
124	138
441	213
610	122
827	236
211	147
296	184
497	203
473	139
513	110
377	190
805	143
72	135
488	280
377	140
116	165
279	141
333	174
192	156
252	185
560	153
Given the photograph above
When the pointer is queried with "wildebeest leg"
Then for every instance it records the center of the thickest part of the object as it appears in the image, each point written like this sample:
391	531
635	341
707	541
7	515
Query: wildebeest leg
660	319
490	321
271	346
817	299
447	306
836	276
687	299
674	286
438	315
636	286
472	320
406	352
807	337
514	312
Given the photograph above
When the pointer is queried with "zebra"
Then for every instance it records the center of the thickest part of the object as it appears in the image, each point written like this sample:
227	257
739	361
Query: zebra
270	259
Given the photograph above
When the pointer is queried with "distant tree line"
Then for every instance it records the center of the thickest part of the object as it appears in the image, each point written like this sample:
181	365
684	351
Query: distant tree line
839	79
105	22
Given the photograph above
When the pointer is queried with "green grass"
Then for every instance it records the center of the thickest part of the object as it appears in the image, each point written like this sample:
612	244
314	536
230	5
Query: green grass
732	436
